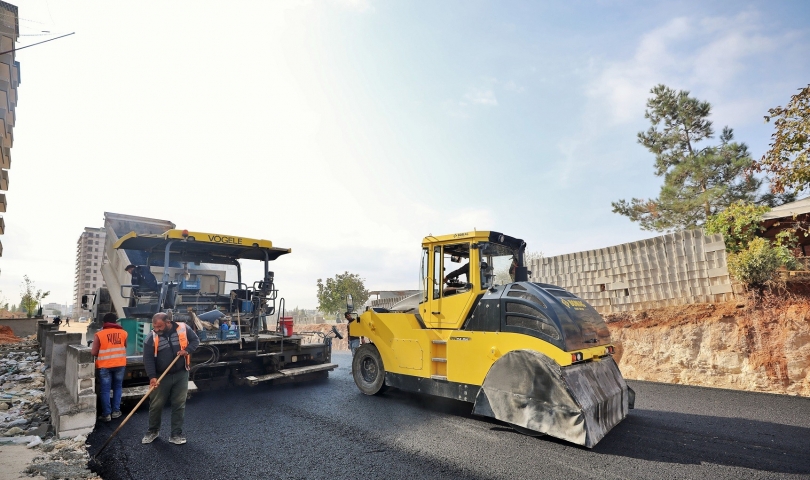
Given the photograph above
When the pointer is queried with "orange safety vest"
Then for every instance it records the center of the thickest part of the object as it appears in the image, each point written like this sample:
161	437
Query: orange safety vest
181	335
111	350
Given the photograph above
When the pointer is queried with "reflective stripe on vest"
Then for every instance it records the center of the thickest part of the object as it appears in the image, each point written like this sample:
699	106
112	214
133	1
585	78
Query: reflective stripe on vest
181	336
111	352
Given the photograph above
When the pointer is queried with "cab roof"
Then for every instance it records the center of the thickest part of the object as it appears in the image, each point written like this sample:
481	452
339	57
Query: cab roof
473	236
201	246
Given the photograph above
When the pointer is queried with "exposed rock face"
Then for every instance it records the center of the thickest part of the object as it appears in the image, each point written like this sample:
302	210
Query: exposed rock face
764	348
337	344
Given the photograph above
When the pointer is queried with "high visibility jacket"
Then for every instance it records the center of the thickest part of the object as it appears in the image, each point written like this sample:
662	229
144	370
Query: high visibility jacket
112	350
181	336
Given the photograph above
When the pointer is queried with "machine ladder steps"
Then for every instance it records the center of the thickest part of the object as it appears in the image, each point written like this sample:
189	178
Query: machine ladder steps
438	357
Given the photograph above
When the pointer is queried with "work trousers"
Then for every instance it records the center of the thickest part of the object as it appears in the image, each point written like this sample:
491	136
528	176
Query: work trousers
354	344
174	388
110	379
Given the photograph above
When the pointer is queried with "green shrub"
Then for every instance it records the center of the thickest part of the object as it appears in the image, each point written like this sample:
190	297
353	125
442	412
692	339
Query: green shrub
757	264
787	258
740	223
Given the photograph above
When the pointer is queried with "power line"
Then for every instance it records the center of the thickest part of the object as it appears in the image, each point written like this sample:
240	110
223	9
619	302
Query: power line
44	41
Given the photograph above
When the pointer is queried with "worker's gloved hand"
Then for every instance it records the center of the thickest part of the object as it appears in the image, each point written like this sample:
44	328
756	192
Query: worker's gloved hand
182	353
153	383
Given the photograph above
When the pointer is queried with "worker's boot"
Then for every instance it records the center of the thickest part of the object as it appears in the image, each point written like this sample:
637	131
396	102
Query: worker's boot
150	437
177	439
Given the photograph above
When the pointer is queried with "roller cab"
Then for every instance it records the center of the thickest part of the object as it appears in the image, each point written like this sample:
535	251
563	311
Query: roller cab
529	354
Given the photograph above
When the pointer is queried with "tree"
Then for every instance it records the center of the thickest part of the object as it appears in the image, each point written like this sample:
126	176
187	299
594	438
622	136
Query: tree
31	297
332	295
698	182
787	163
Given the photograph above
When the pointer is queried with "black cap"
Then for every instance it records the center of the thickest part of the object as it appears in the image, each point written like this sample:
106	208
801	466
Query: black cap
128	267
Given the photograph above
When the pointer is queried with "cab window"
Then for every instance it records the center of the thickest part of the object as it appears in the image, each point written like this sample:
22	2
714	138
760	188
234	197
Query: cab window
423	277
437	272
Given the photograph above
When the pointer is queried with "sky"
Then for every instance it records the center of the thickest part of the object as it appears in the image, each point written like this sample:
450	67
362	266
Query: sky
348	130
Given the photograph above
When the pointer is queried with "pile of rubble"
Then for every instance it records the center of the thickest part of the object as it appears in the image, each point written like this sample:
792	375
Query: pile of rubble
25	417
7	335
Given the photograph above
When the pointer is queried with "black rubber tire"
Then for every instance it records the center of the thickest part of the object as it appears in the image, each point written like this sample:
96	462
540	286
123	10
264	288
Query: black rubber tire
368	370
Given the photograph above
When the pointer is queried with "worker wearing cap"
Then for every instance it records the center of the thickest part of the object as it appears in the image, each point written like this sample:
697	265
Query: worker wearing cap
110	350
142	277
168	340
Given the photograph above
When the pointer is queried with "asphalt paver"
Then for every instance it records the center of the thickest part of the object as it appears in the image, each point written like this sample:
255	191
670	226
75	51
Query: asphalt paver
329	430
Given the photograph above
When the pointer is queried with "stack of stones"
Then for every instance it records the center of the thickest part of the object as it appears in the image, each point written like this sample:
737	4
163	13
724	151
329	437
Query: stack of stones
24	414
675	269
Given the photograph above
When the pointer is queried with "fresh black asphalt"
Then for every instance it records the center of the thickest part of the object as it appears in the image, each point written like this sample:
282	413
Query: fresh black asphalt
330	430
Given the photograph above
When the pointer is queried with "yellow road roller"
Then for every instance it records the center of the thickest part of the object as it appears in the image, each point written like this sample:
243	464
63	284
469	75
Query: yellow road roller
532	355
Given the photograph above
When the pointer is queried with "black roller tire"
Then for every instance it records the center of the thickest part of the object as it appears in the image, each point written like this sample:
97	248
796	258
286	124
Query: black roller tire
368	370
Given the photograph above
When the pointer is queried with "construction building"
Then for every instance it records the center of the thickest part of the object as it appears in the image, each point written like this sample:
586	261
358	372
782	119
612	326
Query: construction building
9	81
89	258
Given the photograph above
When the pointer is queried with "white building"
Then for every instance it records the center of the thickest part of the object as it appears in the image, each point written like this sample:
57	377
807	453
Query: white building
52	309
89	257
9	80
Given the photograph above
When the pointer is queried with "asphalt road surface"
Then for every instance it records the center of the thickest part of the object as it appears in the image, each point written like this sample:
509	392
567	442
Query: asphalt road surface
330	430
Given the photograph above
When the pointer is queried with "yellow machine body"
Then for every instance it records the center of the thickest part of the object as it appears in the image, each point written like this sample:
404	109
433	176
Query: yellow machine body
448	341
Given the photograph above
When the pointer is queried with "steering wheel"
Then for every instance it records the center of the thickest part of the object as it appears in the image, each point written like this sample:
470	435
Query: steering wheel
337	334
455	283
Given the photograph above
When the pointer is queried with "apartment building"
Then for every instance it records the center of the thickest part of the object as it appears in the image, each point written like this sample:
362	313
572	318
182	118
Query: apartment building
89	257
9	80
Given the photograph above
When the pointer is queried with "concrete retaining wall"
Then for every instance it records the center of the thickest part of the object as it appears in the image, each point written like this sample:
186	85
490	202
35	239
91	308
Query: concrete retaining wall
22	327
69	381
674	269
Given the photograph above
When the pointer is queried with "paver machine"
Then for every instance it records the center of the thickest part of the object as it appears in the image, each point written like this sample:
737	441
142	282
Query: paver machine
529	354
193	286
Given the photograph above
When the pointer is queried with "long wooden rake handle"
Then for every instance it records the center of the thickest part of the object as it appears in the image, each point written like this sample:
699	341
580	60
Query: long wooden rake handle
136	407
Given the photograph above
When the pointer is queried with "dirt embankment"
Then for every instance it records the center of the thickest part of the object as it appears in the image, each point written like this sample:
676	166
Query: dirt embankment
7	335
337	344
751	345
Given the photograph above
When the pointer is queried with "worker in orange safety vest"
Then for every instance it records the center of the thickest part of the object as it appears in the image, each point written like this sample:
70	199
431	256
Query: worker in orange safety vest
110	350
168	340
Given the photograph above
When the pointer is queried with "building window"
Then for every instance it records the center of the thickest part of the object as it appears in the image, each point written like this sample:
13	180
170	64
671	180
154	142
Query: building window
86	285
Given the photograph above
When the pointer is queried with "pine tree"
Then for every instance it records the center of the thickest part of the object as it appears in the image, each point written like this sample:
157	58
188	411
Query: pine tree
698	182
